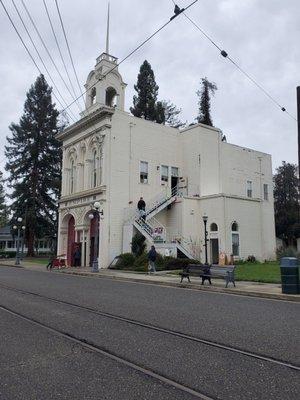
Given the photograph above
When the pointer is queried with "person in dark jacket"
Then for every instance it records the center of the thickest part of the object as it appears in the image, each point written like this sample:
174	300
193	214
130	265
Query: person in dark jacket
50	263
152	255
206	275
141	205
77	257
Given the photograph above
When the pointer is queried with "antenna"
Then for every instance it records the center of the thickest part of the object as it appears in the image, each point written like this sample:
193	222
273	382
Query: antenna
107	32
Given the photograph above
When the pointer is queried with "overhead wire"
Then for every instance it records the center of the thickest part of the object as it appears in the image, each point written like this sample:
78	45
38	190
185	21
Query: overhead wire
48	52
29	53
225	55
58	47
40	58
133	51
68	47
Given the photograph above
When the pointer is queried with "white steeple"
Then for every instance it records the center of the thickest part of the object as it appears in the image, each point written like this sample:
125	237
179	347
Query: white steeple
104	85
107	30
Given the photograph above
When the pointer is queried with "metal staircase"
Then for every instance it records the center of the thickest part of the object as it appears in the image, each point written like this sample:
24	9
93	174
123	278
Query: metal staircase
155	232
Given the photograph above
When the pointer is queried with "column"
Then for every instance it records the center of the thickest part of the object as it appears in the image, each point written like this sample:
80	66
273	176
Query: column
87	174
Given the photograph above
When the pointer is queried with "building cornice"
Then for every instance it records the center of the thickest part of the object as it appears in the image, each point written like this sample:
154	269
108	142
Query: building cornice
96	116
83	194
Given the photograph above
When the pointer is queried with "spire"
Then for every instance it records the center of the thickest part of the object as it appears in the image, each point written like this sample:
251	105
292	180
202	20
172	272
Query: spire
107	32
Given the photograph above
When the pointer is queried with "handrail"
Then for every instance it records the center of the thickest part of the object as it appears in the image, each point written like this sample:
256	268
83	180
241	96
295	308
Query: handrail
155	202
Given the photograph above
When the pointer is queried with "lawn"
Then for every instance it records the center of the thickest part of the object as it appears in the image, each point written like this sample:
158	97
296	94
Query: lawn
266	272
37	260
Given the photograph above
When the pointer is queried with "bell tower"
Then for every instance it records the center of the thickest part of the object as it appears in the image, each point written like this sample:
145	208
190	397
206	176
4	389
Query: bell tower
104	87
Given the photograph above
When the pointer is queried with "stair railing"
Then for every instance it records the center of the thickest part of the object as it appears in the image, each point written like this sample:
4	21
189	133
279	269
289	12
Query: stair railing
131	214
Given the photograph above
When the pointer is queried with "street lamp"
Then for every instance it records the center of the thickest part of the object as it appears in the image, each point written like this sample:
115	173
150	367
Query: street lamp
205	218
18	227
96	213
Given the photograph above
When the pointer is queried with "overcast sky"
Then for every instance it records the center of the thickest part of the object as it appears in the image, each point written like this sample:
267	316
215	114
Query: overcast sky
262	36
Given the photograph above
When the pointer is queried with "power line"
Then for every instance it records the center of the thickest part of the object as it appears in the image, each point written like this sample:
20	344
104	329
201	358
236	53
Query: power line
48	52
135	50
225	55
26	48
38	53
58	47
69	50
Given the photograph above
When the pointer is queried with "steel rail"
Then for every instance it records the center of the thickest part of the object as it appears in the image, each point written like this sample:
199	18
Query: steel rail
160	329
121	360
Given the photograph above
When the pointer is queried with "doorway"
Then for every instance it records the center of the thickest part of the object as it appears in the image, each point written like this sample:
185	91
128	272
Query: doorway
174	178
214	251
174	181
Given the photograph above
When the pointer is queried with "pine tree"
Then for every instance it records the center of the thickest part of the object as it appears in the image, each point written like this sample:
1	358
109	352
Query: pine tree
171	113
207	89
286	203
160	113
3	206
144	103
34	164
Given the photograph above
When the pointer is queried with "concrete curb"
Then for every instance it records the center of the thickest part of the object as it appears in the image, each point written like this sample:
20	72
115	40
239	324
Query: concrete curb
294	298
11	265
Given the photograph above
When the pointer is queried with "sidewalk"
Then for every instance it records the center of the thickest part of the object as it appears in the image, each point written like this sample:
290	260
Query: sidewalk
255	289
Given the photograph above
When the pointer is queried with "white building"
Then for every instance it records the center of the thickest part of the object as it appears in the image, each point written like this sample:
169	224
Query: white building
114	158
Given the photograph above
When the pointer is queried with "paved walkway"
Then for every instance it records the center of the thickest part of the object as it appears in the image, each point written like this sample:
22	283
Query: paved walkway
266	290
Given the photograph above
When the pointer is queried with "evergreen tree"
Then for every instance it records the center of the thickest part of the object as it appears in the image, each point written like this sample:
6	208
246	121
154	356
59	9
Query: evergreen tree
34	164
171	113
286	203
160	113
144	103
207	89
3	206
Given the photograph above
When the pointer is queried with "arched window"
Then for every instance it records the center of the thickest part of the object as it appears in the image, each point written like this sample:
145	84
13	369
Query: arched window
234	227
213	227
111	97
235	237
94	177
72	177
93	96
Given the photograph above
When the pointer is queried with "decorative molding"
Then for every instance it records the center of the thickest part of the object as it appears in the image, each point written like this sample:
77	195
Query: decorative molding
89	120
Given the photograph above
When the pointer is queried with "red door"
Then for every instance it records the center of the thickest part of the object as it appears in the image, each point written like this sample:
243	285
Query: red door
71	240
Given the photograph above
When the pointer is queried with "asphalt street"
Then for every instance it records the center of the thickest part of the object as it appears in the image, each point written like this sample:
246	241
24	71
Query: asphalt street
38	363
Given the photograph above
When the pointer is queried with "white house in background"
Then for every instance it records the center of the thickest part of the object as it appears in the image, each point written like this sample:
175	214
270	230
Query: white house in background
113	158
8	243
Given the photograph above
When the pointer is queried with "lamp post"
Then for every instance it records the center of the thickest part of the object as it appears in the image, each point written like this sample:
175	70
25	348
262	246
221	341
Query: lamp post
96	213
205	218
18	228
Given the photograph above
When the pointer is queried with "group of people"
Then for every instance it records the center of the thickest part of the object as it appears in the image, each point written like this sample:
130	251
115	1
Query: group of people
76	261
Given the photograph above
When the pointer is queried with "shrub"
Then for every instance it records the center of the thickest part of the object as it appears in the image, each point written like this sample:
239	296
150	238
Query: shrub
7	254
138	244
125	261
287	252
141	263
251	259
171	263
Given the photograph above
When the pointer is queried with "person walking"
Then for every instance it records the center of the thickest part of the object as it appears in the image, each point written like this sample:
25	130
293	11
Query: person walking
152	255
77	257
142	208
49	266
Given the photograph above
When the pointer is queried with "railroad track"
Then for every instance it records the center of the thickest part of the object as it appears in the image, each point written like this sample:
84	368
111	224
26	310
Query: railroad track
130	321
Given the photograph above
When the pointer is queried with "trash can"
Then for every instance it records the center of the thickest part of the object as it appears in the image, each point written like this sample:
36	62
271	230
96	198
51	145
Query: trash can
289	275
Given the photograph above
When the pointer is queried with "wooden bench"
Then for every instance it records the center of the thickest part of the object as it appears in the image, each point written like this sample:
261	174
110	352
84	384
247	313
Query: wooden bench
206	272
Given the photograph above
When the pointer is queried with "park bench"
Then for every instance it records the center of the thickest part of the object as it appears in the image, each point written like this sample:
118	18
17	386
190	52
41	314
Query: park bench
206	272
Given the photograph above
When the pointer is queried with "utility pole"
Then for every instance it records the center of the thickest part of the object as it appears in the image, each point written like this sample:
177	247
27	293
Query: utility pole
298	119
